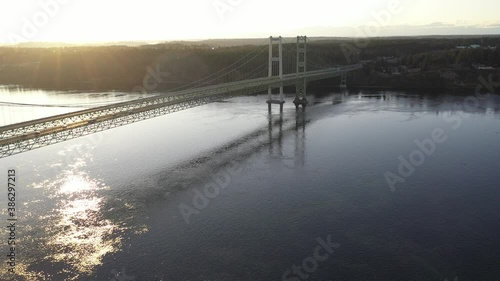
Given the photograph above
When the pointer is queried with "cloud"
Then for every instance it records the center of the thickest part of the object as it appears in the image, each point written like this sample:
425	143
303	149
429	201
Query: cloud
438	24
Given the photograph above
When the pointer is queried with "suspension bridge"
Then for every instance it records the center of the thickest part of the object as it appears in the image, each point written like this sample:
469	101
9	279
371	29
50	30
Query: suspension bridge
271	76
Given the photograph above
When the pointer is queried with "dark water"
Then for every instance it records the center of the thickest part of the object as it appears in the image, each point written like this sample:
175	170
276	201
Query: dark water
225	192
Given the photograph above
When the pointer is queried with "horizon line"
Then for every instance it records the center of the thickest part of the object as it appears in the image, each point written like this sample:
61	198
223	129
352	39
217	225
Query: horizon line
194	40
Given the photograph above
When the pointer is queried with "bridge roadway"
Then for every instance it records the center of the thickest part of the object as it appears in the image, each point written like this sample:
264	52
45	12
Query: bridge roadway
25	136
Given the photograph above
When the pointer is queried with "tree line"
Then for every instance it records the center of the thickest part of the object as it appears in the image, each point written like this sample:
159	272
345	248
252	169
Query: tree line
125	68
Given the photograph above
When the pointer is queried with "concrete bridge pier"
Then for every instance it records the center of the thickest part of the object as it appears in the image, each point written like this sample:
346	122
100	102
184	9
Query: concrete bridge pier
300	102
300	96
270	102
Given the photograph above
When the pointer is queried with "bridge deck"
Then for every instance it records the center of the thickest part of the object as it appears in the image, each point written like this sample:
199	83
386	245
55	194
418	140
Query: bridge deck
20	137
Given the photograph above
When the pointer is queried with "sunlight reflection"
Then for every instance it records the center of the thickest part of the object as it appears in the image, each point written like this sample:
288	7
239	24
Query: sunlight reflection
85	237
68	228
74	184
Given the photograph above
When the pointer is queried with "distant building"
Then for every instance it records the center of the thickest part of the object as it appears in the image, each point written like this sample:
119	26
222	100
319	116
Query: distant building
482	67
473	46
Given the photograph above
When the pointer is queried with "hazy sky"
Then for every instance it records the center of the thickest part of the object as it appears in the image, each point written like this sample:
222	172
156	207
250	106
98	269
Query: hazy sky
123	20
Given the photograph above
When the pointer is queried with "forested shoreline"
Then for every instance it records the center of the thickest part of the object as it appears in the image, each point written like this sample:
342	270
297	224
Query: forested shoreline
389	62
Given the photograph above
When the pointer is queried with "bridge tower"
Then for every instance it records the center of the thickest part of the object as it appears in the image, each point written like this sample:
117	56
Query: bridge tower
343	81
301	88
273	60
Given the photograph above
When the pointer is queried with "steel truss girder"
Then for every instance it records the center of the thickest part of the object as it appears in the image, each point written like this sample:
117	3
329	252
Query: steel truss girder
60	136
22	137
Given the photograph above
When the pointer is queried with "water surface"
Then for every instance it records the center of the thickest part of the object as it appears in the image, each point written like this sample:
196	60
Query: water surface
110	206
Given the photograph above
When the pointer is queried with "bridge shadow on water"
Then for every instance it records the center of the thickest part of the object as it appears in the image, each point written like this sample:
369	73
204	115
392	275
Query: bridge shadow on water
239	151
163	188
